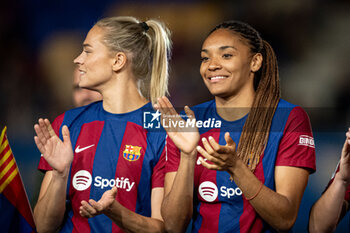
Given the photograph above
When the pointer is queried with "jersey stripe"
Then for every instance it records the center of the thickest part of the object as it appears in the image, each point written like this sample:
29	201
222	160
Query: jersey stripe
83	161
104	166
130	159
248	220
211	222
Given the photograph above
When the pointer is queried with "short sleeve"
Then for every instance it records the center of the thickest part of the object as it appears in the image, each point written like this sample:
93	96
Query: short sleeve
172	156
158	172
56	125
297	147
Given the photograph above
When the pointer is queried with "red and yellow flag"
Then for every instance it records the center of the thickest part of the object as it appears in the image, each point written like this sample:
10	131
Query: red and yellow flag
15	212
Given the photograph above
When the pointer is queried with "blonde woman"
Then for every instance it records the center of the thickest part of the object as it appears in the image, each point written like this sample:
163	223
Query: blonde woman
103	170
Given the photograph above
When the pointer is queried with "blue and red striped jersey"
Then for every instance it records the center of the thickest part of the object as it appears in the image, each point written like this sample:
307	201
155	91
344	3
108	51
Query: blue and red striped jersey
218	203
110	150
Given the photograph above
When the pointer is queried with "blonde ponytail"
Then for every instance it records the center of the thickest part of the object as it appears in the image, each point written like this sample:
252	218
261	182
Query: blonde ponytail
161	47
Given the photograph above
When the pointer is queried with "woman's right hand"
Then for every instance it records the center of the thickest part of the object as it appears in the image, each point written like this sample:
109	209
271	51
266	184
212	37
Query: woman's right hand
185	138
344	167
57	153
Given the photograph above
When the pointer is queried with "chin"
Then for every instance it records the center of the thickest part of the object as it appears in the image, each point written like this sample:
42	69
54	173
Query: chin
218	93
85	86
81	84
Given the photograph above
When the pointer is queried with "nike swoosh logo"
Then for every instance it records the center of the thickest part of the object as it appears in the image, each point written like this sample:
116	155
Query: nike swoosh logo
78	149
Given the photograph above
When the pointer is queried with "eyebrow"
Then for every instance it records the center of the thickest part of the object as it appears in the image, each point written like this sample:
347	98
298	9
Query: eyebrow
226	47
87	45
221	48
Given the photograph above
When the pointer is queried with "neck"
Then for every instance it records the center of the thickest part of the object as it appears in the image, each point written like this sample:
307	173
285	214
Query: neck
121	95
236	106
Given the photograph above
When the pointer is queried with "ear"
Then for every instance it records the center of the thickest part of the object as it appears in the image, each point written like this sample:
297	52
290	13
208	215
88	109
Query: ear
256	62
119	61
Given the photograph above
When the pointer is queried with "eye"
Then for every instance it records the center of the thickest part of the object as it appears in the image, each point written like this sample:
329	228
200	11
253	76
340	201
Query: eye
227	55
203	59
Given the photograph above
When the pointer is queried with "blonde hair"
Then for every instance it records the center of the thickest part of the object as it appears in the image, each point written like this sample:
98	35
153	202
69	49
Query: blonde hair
149	45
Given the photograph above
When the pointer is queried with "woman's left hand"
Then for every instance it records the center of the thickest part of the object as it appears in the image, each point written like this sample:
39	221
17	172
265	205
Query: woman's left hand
222	157
93	208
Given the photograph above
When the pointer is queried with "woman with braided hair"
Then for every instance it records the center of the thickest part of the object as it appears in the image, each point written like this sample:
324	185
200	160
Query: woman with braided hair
104	172
256	186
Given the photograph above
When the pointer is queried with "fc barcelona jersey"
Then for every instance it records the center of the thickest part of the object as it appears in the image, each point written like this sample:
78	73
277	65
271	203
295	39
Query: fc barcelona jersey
110	150
219	204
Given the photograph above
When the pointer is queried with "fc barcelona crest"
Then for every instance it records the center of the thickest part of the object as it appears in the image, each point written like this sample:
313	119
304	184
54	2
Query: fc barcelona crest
132	153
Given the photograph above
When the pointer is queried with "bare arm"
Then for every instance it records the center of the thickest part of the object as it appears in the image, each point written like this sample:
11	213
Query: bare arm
50	207
278	208
126	219
177	206
331	207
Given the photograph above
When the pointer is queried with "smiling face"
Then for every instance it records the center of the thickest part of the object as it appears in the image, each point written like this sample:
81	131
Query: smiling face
227	66
95	62
82	96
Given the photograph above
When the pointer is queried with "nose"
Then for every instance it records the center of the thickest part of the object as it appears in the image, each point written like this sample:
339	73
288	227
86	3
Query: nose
214	64
79	59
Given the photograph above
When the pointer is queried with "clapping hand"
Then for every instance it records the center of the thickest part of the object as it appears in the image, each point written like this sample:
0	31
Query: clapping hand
344	167
93	208
57	153
185	138
222	157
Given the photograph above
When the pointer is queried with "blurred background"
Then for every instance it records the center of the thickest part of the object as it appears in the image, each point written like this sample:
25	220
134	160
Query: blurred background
40	39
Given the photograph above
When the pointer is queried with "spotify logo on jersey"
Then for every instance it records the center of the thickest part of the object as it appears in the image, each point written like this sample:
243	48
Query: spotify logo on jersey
208	191
82	180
